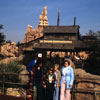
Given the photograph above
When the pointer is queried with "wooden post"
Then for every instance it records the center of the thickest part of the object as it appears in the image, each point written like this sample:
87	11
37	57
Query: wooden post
3	82
72	95
60	58
0	48
29	95
95	95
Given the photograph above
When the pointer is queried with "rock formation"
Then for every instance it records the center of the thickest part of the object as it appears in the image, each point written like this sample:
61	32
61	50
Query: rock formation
87	84
17	92
29	34
43	17
8	60
9	49
24	78
33	34
83	54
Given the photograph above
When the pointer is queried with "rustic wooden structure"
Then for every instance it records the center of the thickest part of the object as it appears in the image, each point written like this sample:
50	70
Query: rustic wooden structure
54	38
59	38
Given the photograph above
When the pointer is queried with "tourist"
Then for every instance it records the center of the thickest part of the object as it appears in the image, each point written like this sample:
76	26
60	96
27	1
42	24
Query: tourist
30	66
67	79
37	78
57	82
33	61
50	79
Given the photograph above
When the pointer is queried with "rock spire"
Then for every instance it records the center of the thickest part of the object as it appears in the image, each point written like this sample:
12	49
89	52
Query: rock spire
32	34
43	17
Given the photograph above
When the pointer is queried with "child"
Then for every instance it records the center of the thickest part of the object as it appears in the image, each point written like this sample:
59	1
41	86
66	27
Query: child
57	82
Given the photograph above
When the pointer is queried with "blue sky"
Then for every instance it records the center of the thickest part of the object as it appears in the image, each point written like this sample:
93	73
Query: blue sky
15	15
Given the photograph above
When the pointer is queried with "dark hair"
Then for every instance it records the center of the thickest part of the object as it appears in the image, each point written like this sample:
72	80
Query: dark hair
51	69
67	61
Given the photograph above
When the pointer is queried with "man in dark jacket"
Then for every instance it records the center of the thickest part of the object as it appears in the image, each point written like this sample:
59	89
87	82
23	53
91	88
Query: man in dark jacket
31	70
37	78
33	61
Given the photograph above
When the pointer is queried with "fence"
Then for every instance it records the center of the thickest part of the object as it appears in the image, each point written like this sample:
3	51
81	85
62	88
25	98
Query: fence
74	91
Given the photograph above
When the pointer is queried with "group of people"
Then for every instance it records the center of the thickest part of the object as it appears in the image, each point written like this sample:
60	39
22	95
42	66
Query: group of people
55	85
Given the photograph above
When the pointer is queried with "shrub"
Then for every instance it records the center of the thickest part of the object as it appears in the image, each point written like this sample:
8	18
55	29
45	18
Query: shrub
12	67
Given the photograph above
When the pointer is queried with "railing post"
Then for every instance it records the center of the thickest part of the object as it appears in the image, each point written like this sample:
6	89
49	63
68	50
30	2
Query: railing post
72	95
95	95
3	82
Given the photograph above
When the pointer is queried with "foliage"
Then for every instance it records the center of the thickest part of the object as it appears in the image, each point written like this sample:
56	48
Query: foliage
92	33
1	26
2	67
8	41
12	67
18	43
2	36
93	62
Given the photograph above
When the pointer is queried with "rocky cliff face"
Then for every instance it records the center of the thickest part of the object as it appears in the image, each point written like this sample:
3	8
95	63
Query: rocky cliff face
32	34
9	49
9	59
87	85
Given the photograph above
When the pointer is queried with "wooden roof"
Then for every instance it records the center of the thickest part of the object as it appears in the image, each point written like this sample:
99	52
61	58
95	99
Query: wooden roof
61	29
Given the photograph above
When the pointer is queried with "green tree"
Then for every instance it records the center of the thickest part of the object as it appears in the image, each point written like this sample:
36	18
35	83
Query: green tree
2	36
12	67
18	43
91	33
93	62
1	26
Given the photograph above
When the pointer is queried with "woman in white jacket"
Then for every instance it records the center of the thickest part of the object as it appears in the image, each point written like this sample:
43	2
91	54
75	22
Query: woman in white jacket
66	80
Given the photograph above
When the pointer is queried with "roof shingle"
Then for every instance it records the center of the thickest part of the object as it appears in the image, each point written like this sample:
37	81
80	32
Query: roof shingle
61	29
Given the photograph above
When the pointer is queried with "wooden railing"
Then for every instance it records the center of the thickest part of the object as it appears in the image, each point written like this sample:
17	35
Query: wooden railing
74	90
3	81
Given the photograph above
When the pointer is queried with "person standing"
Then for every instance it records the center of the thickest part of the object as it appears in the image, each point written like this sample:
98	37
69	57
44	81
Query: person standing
37	78
31	69
33	62
57	82
50	80
67	79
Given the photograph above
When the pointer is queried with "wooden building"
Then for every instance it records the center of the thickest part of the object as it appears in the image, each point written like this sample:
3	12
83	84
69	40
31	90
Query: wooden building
55	38
58	38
